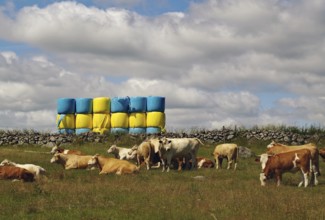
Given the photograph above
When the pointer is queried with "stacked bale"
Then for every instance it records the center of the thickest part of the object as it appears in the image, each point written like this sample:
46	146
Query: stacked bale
119	114
101	115
84	117
137	115
65	119
156	118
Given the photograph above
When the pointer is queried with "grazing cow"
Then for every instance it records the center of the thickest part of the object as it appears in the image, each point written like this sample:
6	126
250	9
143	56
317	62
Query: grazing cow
275	148
57	149
229	151
14	173
35	169
108	165
170	148
291	161
71	161
203	162
322	153
122	153
145	152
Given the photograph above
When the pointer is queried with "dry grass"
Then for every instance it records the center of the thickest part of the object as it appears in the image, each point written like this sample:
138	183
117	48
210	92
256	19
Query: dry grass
220	194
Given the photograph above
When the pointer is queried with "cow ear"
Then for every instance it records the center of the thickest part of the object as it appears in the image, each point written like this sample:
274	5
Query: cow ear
169	141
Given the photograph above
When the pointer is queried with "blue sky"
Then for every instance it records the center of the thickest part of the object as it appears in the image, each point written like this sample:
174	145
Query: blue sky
217	62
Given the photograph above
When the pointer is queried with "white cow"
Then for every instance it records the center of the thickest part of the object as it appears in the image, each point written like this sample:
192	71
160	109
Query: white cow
170	148
229	151
122	153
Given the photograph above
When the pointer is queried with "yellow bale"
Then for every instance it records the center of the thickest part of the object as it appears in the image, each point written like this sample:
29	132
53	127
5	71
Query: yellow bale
137	120
100	130
66	121
156	119
119	120
101	105
101	121
84	121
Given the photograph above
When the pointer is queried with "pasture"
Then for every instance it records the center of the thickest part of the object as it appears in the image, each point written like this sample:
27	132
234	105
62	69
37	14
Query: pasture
198	194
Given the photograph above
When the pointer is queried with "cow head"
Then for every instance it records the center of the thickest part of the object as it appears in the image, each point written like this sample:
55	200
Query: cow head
5	162
111	149
55	158
263	158
54	149
272	144
92	162
165	144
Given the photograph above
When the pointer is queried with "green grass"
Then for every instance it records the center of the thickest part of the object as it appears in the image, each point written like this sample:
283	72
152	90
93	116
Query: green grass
221	194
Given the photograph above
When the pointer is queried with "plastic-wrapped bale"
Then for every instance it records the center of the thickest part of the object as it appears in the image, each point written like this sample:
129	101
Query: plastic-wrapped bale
156	119
66	106
120	104
101	123
155	104
66	123
84	123
138	104
137	120
137	130
119	130
119	120
84	105
101	105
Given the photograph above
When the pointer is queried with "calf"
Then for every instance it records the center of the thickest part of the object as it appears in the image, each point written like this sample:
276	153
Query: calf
278	164
35	169
108	165
229	151
71	161
12	172
203	162
121	153
57	149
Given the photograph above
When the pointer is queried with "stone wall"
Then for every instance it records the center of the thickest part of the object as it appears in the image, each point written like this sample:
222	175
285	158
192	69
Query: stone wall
212	136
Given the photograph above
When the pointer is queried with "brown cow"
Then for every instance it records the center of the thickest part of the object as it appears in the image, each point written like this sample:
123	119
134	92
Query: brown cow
13	172
275	148
108	165
278	164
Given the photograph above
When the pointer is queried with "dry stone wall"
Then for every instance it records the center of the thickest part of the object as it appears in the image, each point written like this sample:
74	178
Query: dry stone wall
213	136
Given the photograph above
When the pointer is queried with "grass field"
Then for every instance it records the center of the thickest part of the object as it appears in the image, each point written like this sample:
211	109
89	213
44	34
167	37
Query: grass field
199	194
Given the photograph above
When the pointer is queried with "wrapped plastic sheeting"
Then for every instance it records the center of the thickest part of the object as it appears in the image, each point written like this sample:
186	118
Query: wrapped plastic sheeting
101	105
84	121
137	130
66	106
82	130
84	105
101	123
120	104
153	130
66	121
155	104
119	130
138	104
137	120
66	131
156	119
119	120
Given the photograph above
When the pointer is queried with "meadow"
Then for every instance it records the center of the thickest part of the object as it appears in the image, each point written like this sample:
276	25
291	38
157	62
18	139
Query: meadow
198	194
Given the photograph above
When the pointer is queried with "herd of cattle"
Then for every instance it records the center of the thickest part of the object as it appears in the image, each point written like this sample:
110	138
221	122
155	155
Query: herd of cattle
177	153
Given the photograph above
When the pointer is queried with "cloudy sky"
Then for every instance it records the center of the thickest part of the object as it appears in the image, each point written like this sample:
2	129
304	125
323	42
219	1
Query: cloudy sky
217	62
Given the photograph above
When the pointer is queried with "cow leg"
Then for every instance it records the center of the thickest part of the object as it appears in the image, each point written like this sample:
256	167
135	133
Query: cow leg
229	163
147	161
304	178
262	179
278	177
163	162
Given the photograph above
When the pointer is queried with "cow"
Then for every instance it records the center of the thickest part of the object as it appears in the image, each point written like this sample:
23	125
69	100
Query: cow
322	153
16	173
108	165
170	148
57	149
145	152
71	161
122	153
228	151
275	148
35	169
292	161
203	162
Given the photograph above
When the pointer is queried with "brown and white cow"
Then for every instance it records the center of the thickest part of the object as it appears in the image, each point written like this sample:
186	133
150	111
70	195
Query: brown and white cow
203	162
293	161
228	151
57	149
171	148
71	161
275	148
108	165
16	173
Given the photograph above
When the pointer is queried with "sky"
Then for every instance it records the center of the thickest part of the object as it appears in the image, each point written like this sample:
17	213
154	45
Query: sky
217	62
